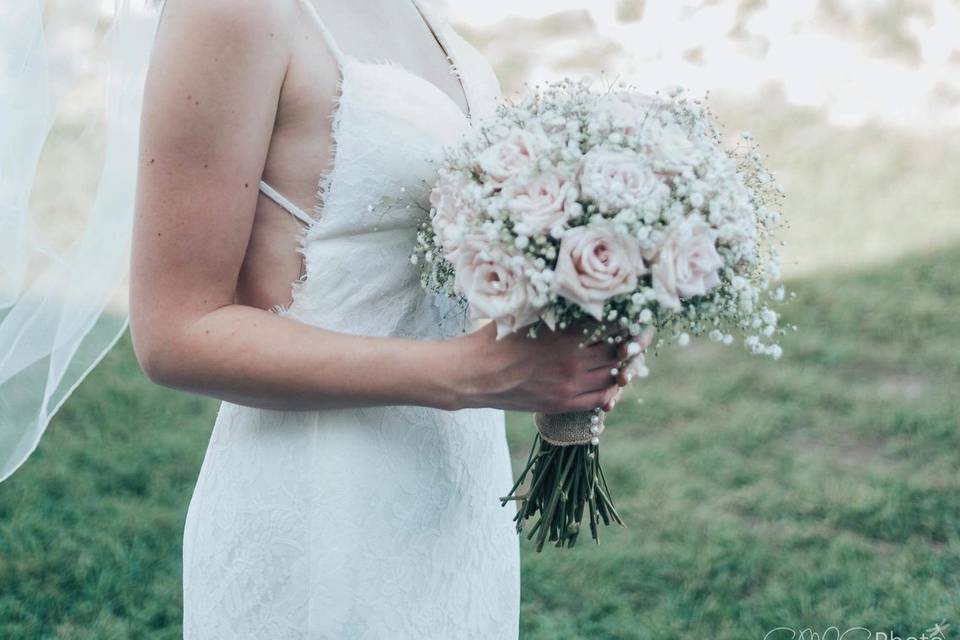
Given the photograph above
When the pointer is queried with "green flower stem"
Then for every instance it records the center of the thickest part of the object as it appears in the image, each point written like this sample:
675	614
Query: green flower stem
557	493
565	484
523	475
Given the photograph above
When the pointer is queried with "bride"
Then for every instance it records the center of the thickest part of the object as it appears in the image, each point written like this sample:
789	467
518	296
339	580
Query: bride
350	486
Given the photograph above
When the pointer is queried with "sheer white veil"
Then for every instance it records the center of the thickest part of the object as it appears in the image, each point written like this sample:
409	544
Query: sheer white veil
62	310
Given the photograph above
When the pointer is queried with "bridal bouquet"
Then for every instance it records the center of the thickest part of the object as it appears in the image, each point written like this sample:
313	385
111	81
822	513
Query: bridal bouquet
617	212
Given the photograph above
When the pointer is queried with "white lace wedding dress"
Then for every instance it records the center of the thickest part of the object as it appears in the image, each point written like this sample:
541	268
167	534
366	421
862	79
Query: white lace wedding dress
376	522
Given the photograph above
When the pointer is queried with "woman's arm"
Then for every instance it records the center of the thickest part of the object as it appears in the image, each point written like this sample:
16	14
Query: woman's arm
210	103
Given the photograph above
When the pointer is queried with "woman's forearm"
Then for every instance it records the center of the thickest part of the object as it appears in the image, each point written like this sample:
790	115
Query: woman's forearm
253	357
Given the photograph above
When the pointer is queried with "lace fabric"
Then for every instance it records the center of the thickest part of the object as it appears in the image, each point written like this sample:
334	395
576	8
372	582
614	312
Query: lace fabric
376	522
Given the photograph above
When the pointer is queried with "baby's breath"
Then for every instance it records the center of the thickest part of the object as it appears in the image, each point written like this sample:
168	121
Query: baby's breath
677	168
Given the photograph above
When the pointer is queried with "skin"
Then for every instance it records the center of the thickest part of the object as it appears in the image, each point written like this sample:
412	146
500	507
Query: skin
242	88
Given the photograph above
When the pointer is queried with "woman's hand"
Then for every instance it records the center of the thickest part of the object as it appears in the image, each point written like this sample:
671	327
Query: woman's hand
631	354
556	372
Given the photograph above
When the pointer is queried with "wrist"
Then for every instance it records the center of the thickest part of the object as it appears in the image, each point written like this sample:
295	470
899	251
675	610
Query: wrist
457	373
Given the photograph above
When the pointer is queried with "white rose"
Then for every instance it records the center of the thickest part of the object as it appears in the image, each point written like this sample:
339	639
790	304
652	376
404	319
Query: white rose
671	148
539	203
628	111
495	288
517	153
617	179
595	264
618	116
687	263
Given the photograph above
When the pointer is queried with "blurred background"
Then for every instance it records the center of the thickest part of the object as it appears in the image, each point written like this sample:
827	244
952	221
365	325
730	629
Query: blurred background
817	491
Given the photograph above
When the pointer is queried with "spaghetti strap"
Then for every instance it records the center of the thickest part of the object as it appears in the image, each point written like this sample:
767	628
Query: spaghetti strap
327	36
338	55
285	203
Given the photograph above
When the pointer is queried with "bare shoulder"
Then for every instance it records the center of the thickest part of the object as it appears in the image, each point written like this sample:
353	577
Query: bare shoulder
253	24
222	53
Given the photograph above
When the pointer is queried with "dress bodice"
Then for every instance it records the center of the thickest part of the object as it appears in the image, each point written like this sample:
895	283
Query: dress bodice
389	126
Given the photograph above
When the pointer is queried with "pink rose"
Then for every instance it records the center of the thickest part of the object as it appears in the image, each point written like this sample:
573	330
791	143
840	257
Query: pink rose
538	204
616	179
496	288
687	264
596	263
453	216
447	196
515	154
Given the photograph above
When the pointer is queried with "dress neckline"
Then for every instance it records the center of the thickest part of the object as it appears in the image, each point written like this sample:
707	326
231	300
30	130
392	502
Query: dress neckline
454	63
439	34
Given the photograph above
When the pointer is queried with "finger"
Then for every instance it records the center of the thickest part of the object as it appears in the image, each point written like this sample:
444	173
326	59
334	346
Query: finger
589	340
594	399
614	338
636	368
589	348
605	361
598	379
599	354
610	404
630	366
616	332
629	349
623	361
636	345
624	369
646	337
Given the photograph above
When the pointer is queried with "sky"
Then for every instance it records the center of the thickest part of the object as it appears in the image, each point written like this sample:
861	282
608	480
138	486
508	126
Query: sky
895	62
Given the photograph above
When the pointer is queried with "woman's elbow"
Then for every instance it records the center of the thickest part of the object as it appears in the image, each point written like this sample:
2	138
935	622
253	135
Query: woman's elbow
155	353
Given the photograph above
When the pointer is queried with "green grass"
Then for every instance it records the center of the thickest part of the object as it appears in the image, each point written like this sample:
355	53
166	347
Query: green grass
814	491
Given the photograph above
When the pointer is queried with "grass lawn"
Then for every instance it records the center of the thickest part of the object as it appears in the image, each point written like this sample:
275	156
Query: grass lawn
815	491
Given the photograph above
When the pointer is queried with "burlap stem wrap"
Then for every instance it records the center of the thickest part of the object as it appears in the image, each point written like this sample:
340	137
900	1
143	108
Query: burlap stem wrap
565	429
